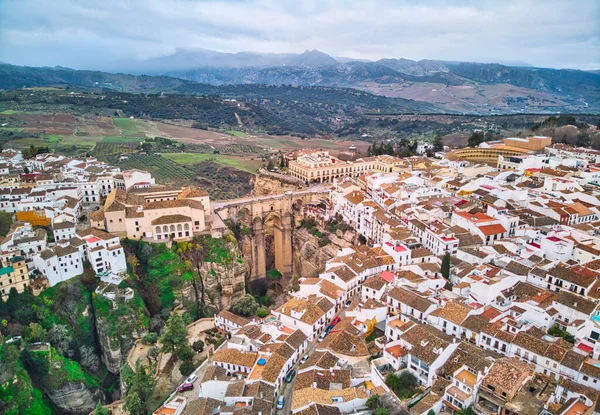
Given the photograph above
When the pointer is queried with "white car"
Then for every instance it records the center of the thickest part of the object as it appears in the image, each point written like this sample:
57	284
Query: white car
304	359
191	379
322	336
280	402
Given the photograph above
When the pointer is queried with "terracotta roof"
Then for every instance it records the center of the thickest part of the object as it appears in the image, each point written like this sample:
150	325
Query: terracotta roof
273	368
453	311
97	233
323	359
410	299
235	356
574	275
346	344
375	282
507	375
166	204
296	339
575	302
239	320
166	219
489	230
427	342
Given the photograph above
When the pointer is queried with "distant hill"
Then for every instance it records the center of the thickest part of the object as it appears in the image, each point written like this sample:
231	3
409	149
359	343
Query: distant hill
14	77
456	86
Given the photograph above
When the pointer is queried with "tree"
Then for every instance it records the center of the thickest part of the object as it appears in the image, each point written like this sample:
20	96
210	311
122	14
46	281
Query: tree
195	254
101	410
245	306
373	401
408	380
26	170
5	222
9	354
438	143
476	138
35	333
198	346
173	339
140	390
382	411
147	147
583	139
270	164
186	367
446	266
431	412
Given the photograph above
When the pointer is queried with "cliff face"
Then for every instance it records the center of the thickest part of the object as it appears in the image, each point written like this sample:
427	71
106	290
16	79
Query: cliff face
267	185
309	257
75	397
114	349
118	325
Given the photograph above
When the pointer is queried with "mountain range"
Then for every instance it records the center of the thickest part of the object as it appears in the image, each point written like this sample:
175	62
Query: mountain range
454	86
464	87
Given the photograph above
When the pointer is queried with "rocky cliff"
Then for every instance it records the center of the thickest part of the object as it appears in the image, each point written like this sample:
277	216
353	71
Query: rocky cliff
118	325
309	257
268	185
75	397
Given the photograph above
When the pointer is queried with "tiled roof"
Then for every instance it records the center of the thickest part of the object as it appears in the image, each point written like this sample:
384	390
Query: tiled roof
236	357
453	311
344	343
273	368
296	339
323	359
239	320
375	282
427	342
311	313
507	375
410	299
166	219
573	275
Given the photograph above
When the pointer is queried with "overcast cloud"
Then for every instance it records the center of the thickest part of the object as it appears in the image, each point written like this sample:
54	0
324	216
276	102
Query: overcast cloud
95	33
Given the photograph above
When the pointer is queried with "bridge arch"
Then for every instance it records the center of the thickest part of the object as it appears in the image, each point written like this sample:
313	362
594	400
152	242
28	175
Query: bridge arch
283	211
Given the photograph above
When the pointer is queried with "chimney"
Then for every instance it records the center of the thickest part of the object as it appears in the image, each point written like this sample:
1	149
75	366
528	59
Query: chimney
314	385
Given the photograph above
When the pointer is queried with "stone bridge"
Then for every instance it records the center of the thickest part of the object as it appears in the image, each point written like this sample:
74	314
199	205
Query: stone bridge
285	210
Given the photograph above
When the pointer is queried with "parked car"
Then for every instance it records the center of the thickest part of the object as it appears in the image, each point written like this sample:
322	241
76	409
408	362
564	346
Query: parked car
191	379
335	320
280	402
290	375
322	336
348	303
185	387
304	359
328	330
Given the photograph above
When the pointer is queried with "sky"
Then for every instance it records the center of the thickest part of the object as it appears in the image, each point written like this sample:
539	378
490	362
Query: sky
93	34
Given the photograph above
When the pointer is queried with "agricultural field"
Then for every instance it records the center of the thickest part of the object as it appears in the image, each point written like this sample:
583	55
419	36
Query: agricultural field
104	149
163	169
237	133
121	139
126	125
247	164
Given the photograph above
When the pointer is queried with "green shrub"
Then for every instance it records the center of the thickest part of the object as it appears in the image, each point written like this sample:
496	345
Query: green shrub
262	312
150	338
198	346
186	367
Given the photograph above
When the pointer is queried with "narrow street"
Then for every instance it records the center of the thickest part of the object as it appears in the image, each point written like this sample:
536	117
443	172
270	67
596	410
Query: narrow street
288	388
